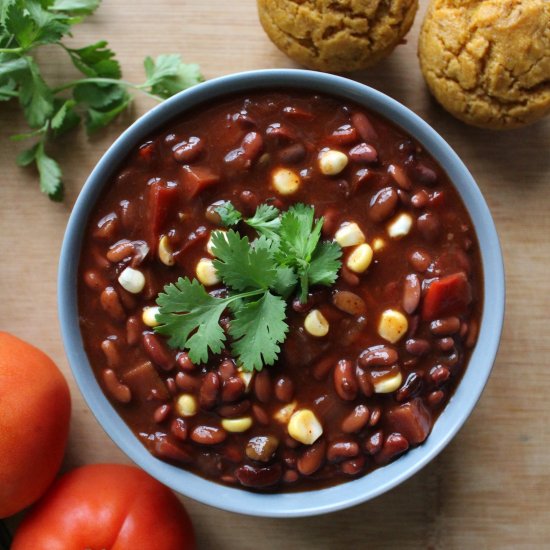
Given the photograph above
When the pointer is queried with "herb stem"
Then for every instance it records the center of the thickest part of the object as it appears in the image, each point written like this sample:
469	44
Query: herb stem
11	50
98	80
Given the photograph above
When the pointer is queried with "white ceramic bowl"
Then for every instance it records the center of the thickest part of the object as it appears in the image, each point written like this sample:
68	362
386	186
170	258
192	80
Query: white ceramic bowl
455	413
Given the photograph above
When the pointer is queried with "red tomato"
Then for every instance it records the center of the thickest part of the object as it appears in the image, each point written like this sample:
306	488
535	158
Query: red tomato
106	506
447	296
35	409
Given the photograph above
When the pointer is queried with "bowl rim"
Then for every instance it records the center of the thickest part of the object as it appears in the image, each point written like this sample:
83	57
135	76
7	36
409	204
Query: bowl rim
456	412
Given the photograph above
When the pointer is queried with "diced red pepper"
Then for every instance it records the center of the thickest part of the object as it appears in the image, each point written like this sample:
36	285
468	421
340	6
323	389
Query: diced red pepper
411	419
162	203
195	178
449	295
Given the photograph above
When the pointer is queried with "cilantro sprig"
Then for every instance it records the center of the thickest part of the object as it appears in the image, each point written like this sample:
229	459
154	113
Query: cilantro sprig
97	98
287	257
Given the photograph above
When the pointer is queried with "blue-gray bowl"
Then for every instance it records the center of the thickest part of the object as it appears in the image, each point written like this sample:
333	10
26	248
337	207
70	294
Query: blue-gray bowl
455	413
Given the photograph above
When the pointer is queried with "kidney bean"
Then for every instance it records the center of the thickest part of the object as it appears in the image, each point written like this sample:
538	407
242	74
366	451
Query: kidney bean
184	362
353	466
280	133
210	389
344	135
208	435
227	369
260	415
363	153
284	389
417	346
161	413
292	154
349	302
411	387
117	390
356	420
250	149
232	389
445	344
400	177
378	356
364	127
127	299
446	326
349	277
312	458
472	334
94	280
375	416
382	204
374	443
291	443
262	386
255	477
420	199
404	197
211	213
452	359
424	174
290	476
133	330
340	450
289	458
440	374
157	351
411	293
435	398
189	150
429	226
111	353
420	260
364	382
322	367
298	113
250	201
262	447
107	227
120	251
187	382
394	445
110	302
128	214
171	386
345	382
165	449
179	429
234	410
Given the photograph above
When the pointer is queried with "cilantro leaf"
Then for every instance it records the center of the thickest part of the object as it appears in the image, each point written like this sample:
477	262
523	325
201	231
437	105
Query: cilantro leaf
168	75
241	266
96	60
76	7
7	90
50	174
266	221
197	328
325	264
66	118
27	157
229	214
96	118
35	96
258	330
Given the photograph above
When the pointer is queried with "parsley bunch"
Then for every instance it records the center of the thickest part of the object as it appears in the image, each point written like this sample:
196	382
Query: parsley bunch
99	97
287	256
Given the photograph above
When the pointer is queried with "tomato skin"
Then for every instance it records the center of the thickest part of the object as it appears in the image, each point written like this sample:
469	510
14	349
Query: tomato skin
35	410
106	506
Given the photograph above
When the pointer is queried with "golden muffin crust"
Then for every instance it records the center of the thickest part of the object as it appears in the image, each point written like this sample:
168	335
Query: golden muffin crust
337	36
488	61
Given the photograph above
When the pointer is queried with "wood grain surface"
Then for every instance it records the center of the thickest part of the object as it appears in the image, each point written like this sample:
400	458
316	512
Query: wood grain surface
491	487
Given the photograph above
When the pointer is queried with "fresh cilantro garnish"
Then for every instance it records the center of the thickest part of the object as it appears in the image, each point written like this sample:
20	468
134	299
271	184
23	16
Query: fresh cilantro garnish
98	98
259	275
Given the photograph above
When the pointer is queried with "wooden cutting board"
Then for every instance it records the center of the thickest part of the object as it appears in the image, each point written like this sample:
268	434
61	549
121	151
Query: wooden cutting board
491	487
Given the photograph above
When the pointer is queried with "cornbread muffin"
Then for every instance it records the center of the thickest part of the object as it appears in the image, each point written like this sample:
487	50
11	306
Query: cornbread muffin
337	36
488	61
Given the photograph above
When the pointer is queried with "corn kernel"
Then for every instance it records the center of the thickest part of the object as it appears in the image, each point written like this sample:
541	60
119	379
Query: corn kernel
206	272
316	324
304	427
246	377
392	325
400	226
389	384
236	425
132	280
186	405
283	415
378	244
285	181
360	259
332	162
349	234
149	316
166	256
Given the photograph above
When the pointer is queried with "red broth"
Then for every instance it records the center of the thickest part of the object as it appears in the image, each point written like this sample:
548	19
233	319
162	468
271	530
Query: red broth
373	398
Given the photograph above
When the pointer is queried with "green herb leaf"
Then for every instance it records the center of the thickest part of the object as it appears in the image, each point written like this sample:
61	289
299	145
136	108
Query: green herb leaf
96	119
240	265
325	264
229	214
75	7
266	221
168	75
27	157
96	60
66	118
197	328
258	330
35	96
50	174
